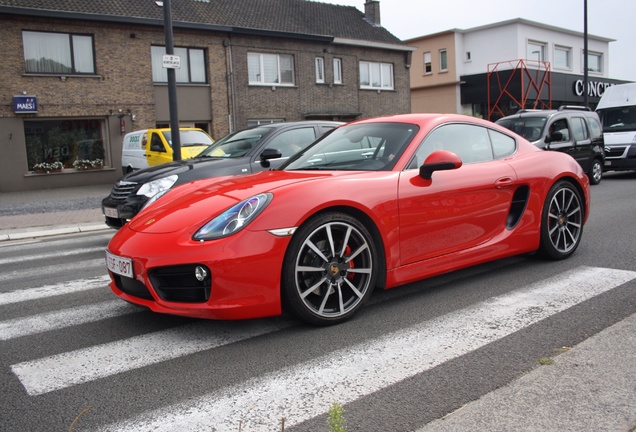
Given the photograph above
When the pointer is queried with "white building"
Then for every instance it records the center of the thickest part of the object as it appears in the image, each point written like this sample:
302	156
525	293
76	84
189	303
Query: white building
495	69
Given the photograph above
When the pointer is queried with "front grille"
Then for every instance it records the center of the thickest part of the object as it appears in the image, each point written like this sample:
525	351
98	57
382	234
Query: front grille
178	284
614	151
122	190
132	287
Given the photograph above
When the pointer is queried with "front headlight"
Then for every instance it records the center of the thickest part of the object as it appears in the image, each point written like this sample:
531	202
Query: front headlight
152	188
234	219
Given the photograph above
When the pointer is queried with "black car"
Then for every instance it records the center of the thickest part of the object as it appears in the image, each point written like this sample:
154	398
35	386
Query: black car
250	150
576	131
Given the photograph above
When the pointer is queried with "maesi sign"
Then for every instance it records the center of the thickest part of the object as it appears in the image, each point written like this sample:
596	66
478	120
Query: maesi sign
25	104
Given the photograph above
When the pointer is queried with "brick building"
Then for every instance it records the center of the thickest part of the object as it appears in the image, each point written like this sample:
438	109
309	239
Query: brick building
78	75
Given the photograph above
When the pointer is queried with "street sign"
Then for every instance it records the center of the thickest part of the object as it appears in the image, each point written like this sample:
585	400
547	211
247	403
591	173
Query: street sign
171	61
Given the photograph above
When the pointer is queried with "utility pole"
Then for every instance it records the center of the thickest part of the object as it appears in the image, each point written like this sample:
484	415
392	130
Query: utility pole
172	84
585	56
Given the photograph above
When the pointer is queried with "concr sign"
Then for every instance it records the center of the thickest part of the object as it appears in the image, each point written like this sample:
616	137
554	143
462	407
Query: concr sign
594	89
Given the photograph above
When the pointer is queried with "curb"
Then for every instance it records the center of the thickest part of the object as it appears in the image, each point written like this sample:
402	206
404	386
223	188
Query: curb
38	232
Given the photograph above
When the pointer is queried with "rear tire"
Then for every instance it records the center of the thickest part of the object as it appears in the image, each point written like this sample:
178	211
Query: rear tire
561	221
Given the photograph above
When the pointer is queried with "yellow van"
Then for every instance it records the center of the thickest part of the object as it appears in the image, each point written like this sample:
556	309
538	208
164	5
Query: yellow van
149	147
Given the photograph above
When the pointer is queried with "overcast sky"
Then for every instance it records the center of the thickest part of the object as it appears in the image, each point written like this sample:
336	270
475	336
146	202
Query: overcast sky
612	19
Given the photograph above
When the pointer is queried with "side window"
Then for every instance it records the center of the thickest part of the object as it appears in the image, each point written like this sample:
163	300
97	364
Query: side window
579	130
561	126
156	144
595	128
471	143
502	145
292	141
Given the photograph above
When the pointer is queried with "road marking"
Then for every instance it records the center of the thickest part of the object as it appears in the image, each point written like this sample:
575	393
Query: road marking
55	290
89	364
57	254
66	269
19	327
305	391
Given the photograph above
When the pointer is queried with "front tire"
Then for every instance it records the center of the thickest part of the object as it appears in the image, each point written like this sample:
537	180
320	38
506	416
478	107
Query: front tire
561	221
329	270
596	172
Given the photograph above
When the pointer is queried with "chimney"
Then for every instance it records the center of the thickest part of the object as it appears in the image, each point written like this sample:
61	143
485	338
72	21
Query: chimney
372	11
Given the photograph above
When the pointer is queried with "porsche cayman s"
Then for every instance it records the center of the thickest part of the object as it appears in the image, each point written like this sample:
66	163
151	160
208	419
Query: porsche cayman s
375	203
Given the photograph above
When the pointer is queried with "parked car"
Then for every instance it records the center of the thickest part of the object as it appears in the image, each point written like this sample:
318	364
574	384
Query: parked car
150	147
576	131
617	110
246	151
379	202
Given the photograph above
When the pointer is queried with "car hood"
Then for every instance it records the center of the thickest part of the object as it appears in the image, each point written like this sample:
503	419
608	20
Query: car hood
187	169
193	204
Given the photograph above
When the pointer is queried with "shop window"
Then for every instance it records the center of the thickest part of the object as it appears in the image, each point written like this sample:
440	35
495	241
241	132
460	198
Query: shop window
68	141
376	76
58	53
270	69
192	68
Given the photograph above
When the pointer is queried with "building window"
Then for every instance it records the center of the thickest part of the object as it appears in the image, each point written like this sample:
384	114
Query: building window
536	51
376	76
64	141
594	62
270	69
337	71
428	67
443	60
192	68
58	53
320	70
562	57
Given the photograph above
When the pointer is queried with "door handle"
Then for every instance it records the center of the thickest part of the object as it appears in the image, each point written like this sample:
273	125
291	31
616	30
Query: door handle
503	182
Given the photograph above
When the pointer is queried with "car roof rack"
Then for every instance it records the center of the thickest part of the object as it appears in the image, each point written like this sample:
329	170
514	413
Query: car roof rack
523	110
574	107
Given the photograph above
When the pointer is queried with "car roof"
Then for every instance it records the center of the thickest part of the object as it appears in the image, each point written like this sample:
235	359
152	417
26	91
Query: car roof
280	125
550	113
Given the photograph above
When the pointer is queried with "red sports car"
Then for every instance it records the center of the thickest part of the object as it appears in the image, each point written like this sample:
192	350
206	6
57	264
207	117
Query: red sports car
379	202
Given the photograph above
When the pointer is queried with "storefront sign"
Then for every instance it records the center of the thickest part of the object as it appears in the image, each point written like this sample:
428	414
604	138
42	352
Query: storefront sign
594	88
25	104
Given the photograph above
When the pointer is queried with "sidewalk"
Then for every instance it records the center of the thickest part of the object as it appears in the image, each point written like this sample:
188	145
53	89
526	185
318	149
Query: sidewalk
591	387
33	214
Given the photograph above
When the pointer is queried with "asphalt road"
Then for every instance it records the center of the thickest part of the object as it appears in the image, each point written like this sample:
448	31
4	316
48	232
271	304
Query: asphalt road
75	357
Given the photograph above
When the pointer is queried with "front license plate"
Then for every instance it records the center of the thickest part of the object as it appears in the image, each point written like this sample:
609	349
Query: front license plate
608	163
119	265
110	212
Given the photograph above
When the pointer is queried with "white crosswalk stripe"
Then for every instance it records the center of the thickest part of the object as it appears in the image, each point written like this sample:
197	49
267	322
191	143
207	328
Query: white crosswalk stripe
54	290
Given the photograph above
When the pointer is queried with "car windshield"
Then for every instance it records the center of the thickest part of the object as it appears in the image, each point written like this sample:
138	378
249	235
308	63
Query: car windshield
357	146
531	128
190	138
618	119
236	144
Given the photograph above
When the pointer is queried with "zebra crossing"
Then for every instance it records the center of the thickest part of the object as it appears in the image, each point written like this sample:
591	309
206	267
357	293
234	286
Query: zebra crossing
258	403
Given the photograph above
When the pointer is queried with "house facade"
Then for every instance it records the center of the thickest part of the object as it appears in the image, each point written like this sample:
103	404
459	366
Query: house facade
77	76
494	70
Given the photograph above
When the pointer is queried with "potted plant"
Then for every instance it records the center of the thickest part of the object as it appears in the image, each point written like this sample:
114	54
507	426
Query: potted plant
48	167
86	164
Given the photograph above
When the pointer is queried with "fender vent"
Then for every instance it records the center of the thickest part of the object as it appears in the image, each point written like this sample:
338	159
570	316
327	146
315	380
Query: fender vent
518	206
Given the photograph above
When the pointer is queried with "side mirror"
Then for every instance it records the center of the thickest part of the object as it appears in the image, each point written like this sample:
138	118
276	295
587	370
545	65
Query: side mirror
267	154
439	160
554	136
